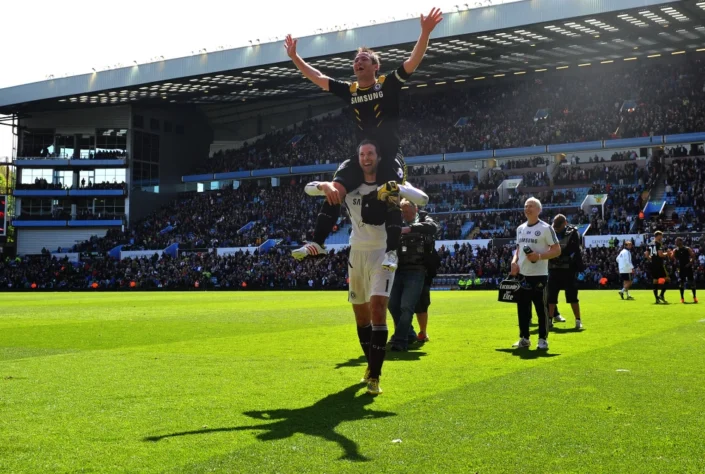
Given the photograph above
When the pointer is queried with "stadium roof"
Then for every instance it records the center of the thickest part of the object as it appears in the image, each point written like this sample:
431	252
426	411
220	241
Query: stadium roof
529	36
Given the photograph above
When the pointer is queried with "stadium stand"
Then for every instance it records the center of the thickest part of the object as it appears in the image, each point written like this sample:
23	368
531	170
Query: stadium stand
584	110
651	185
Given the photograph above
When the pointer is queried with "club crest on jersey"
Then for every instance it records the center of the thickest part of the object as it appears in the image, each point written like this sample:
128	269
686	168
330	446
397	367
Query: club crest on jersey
377	86
538	232
400	173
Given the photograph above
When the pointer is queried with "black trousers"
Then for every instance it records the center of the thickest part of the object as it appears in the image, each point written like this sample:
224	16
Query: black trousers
535	292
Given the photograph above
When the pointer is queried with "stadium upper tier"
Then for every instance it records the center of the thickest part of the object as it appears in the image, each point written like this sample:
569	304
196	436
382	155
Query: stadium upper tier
647	100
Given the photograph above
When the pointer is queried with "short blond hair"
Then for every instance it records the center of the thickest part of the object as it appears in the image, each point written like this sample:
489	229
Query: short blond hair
536	202
406	202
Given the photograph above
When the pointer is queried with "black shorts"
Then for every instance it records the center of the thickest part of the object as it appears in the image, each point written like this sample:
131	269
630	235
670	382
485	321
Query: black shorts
658	271
349	173
625	276
562	280
685	274
424	300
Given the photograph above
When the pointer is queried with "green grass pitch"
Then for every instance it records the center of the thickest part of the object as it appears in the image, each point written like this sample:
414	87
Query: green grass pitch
268	382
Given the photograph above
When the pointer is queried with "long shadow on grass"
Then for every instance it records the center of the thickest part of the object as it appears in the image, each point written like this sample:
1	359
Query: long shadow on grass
528	354
391	355
565	330
320	419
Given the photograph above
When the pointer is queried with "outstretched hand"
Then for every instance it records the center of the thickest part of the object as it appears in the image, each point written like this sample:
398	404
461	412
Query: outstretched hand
290	46
428	23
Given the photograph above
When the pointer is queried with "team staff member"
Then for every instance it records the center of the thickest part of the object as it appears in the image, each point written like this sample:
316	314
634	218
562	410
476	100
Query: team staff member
370	285
655	254
626	269
536	244
685	258
562	271
375	104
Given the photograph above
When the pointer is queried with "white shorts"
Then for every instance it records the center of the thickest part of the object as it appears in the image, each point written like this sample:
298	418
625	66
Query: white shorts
367	277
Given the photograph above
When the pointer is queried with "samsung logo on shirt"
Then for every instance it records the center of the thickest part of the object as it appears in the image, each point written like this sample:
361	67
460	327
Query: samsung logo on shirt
367	98
528	241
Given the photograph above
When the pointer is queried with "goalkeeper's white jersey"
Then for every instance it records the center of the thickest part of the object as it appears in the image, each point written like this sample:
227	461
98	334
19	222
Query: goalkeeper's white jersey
364	236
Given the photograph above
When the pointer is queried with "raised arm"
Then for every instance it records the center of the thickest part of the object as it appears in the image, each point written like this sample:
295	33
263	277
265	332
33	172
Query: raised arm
428	23
309	72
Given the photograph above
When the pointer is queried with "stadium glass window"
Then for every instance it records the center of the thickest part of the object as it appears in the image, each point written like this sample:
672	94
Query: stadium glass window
86	178
138	121
111	141
86	146
179	129
168	126
30	175
109	175
36	208
145	158
104	208
154	125
64	146
36	143
64	178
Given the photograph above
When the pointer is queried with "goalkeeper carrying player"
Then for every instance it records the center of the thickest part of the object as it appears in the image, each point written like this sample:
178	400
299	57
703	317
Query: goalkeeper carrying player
370	283
375	103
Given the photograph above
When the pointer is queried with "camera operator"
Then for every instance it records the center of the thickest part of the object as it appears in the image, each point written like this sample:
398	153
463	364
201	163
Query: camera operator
536	243
563	270
416	262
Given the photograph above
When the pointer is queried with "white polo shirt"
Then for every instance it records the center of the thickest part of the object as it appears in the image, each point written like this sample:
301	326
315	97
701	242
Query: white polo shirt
539	237
624	260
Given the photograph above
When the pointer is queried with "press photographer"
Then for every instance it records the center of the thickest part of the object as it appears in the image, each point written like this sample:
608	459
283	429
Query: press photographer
418	262
563	270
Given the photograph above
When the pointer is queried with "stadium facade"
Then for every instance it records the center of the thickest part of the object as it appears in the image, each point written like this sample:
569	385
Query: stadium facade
149	125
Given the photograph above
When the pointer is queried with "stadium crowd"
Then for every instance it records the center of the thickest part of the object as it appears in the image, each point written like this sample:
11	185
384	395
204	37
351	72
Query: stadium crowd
243	217
586	108
201	269
491	264
190	270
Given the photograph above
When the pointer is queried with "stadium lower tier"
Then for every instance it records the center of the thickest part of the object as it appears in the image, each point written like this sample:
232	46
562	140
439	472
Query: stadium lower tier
276	269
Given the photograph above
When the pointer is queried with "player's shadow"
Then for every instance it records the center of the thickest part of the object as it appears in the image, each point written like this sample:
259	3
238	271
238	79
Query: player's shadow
361	361
559	330
525	353
319	419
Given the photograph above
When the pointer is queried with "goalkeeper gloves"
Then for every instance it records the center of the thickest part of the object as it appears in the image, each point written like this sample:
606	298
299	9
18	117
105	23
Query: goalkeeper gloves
388	190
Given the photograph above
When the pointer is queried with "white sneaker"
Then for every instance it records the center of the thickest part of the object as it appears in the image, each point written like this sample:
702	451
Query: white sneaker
559	319
578	324
543	345
311	249
390	261
523	342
